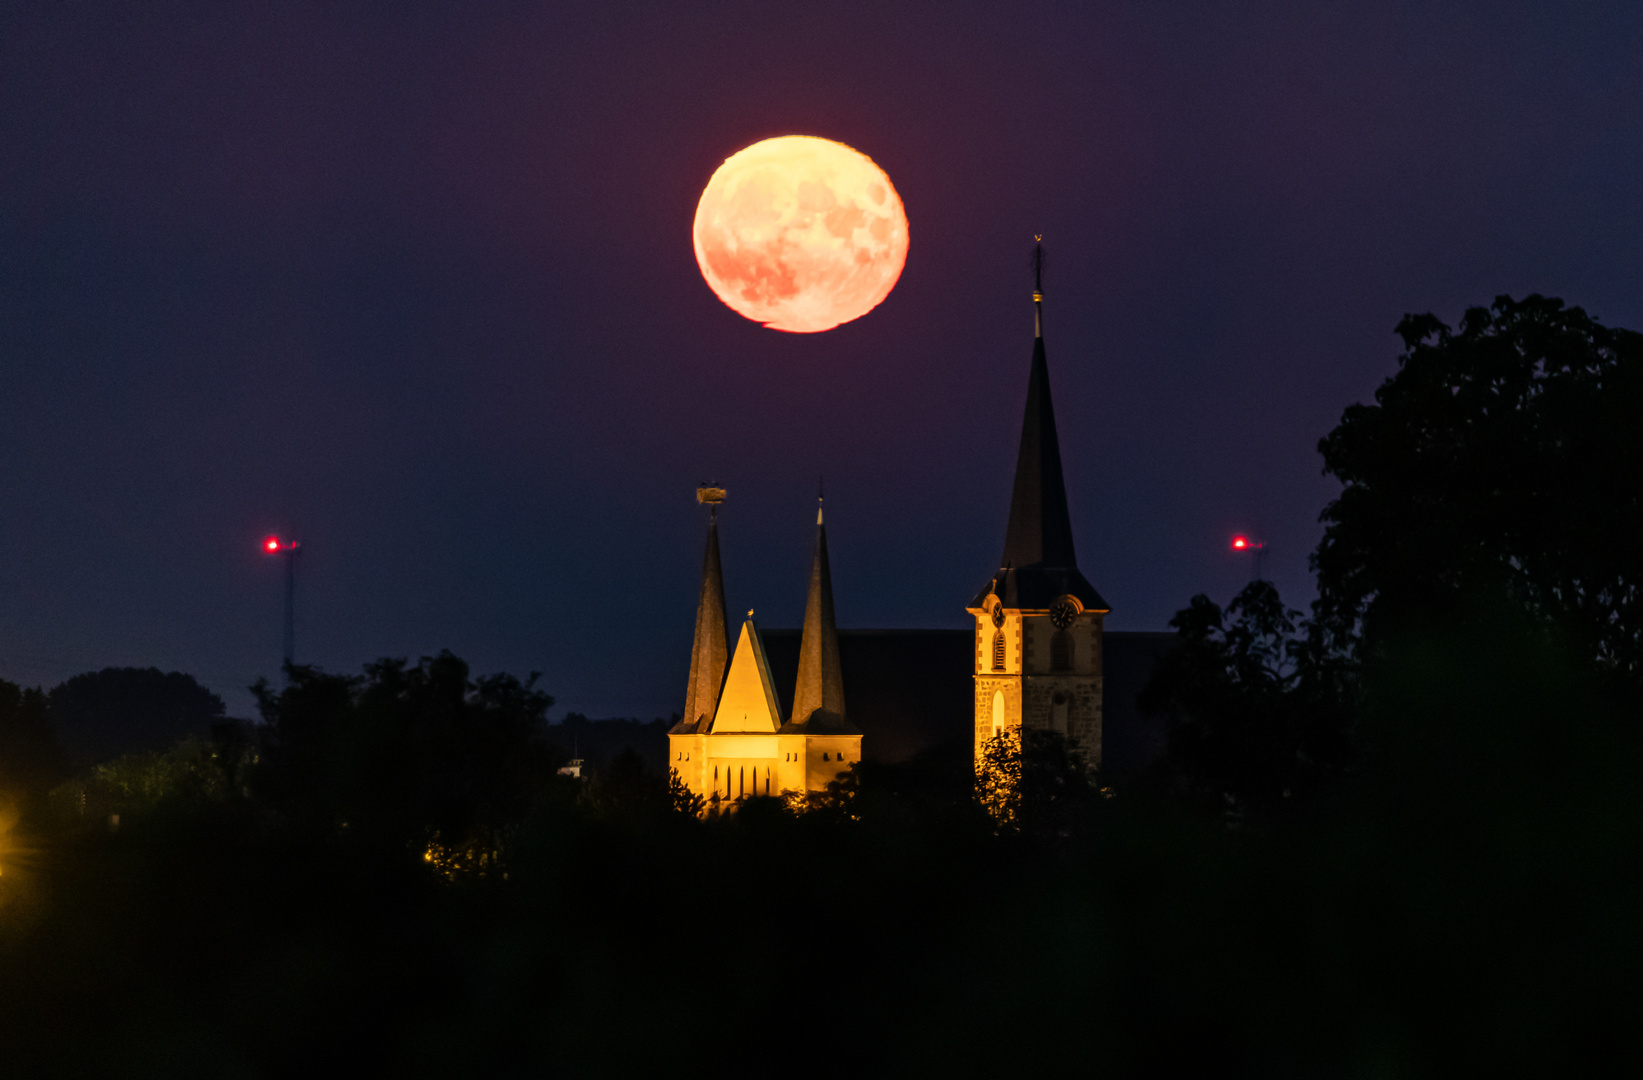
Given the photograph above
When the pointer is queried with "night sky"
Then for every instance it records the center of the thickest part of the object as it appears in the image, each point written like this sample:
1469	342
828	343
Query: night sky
417	287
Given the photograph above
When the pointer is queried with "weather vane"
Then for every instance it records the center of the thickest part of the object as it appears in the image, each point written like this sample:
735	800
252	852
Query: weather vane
710	495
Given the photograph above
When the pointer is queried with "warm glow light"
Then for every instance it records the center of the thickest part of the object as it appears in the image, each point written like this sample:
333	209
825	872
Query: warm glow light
800	234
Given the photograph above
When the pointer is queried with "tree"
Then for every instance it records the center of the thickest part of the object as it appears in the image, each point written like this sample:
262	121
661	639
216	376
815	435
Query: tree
1258	707
686	803
406	755
31	761
103	714
1504	458
1034	782
624	791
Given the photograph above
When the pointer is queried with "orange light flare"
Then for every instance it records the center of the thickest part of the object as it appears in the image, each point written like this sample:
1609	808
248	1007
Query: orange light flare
800	234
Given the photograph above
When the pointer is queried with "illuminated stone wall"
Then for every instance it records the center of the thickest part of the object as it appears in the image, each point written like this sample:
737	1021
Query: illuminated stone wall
1031	691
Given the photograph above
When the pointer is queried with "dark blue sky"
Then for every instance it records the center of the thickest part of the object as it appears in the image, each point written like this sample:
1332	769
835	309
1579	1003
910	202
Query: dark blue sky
416	285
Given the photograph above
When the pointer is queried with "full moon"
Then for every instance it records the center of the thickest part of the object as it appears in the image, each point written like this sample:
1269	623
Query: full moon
800	234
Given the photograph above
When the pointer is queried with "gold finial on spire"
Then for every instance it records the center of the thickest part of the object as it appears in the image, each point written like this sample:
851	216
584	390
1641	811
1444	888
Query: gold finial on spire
1038	285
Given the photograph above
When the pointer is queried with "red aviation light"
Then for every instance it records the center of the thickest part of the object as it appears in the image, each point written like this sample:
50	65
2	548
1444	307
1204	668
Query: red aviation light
271	545
1239	543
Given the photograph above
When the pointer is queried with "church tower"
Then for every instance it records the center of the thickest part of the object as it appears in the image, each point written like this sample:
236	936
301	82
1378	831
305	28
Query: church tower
818	736
709	653
1038	621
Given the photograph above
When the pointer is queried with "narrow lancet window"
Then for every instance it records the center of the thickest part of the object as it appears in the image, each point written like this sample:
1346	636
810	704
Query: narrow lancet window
998	651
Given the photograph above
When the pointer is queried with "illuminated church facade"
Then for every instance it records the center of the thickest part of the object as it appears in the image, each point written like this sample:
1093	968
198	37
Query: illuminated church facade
1038	656
733	742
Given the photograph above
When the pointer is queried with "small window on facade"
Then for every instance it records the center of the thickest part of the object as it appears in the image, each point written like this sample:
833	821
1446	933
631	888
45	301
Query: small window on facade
824	755
998	651
1061	651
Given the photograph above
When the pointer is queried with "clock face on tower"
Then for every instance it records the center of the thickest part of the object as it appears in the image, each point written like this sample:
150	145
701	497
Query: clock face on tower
1062	613
998	615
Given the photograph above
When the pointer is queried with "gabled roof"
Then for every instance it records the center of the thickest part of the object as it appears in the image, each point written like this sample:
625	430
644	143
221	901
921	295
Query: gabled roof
748	702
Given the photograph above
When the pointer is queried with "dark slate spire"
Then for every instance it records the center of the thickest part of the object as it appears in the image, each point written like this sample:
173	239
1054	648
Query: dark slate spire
818	699
1039	562
711	651
1040	530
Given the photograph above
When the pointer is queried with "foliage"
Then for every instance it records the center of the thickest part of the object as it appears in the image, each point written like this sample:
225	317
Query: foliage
839	800
1368	941
1035	783
102	714
625	792
405	753
208	770
31	761
684	801
1258	707
1503	458
998	777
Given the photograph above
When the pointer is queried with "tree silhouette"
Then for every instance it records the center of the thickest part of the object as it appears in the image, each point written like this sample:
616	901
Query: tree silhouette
1258	708
1034	782
405	754
31	761
1503	458
103	714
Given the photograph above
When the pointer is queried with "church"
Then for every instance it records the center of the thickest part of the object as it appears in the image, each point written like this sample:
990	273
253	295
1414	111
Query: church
732	742
1038	656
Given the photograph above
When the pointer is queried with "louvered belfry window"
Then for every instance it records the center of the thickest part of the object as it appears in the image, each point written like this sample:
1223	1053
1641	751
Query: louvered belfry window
998	651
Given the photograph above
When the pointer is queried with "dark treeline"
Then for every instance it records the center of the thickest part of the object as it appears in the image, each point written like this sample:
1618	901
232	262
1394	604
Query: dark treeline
1397	835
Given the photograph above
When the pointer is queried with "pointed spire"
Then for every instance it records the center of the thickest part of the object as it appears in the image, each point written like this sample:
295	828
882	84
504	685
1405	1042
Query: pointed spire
1039	561
1040	529
818	698
711	649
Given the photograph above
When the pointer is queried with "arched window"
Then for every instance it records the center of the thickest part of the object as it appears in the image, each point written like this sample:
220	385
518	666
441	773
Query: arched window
998	651
999	719
1061	651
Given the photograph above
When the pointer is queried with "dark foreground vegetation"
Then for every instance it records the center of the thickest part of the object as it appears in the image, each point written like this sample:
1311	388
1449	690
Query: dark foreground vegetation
1398	837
